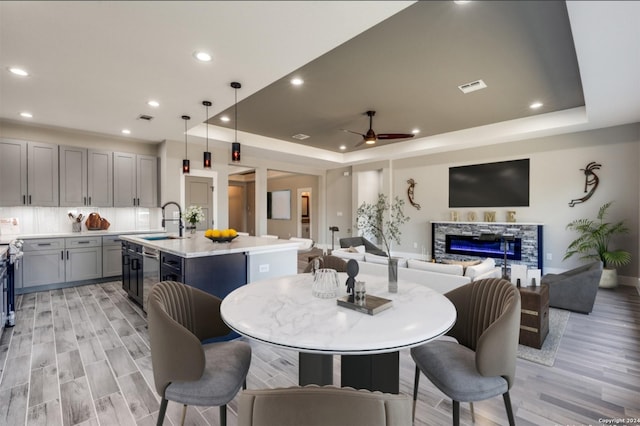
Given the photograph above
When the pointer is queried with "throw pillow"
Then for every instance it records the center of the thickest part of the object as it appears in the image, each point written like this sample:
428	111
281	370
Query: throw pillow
485	266
464	263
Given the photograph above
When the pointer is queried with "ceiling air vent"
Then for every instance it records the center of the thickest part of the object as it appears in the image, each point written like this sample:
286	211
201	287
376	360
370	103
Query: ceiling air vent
301	136
472	87
145	117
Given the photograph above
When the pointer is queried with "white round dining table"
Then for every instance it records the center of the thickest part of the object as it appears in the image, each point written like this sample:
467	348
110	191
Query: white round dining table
283	312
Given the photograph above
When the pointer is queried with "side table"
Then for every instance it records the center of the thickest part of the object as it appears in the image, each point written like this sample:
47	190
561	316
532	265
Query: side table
534	317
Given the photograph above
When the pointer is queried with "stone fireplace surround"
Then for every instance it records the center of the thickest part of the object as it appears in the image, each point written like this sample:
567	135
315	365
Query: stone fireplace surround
529	233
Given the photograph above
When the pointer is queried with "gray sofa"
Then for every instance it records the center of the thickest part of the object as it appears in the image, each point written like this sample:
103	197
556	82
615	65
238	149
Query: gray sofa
361	241
576	289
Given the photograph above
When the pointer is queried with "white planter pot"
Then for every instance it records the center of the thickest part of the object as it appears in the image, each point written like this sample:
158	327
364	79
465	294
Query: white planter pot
609	278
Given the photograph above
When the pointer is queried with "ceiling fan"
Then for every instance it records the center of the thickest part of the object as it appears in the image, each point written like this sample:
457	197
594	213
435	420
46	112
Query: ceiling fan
371	137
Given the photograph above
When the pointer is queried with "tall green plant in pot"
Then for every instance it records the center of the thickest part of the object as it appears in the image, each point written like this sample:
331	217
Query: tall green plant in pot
593	244
382	220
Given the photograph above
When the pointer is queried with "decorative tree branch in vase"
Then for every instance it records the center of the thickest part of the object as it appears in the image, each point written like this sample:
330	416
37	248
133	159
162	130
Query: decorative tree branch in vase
382	220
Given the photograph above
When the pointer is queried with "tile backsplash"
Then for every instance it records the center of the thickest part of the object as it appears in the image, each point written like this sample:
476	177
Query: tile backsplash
46	220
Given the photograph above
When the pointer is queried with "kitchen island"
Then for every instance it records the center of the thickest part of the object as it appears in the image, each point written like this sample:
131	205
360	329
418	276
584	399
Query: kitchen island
217	268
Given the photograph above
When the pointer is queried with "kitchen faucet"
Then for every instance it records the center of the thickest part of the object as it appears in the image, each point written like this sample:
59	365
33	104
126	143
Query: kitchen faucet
180	225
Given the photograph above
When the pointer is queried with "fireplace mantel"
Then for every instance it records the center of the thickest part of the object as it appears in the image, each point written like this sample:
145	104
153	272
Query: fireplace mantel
530	234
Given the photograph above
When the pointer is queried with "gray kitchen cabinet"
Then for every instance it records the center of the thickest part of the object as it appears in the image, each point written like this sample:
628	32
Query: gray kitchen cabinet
135	180
58	260
99	178
29	173
86	177
43	262
111	256
73	176
83	258
13	172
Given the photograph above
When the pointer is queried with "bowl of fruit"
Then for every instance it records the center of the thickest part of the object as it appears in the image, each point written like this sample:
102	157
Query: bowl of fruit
221	235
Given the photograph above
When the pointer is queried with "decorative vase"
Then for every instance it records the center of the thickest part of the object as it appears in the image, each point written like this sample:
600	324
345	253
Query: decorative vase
609	278
192	229
393	274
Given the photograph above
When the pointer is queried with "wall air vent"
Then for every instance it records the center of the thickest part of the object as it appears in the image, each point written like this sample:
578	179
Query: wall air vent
472	87
301	136
145	117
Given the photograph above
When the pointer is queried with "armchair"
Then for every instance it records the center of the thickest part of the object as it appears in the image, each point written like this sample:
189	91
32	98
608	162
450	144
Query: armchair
361	241
576	289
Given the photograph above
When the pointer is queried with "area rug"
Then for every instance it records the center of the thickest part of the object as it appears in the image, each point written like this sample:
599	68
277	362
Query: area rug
546	355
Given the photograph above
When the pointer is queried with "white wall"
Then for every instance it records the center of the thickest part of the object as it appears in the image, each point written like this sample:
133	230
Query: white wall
555	179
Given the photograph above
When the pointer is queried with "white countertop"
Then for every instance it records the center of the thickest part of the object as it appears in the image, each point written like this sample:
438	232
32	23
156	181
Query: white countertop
283	312
196	245
6	239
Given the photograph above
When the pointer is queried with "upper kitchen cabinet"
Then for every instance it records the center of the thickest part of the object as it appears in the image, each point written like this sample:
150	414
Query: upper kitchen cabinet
135	180
29	173
86	177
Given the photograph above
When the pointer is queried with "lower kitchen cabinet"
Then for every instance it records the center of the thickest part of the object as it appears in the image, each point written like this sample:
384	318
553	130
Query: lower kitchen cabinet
132	272
83	258
58	260
43	262
111	256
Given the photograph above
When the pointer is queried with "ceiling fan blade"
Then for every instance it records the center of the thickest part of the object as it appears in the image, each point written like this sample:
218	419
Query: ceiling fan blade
395	135
351	131
359	143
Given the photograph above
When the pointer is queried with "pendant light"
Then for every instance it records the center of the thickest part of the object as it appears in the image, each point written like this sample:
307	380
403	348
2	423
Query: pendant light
186	168
235	146
206	157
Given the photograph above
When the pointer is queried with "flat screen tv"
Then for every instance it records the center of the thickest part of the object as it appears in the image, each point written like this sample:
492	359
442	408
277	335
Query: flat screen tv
501	184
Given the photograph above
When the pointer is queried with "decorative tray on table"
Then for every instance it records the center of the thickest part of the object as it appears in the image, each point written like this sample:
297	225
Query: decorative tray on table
372	304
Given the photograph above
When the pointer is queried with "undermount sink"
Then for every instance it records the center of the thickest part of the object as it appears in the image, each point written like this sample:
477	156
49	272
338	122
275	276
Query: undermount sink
161	237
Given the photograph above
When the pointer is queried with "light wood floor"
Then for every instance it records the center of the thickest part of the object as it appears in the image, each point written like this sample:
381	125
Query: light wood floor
81	356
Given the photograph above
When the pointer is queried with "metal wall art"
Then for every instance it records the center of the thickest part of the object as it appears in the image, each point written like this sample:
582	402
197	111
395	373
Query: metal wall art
590	180
412	184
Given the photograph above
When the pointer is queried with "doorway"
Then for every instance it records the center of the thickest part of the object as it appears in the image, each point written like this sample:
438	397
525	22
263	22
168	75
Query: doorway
304	216
199	192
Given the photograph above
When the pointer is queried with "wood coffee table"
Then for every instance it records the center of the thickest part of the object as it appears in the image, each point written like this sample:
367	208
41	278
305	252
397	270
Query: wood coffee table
534	317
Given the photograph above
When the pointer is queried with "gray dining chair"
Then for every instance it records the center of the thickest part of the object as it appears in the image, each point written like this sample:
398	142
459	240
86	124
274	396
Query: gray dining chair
482	363
322	406
185	370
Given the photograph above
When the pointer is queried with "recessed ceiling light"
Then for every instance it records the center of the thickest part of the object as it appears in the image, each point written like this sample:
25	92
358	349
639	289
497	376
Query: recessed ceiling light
225	119
18	71
297	81
536	105
153	103
343	147
461	1
202	56
126	131
415	131
26	114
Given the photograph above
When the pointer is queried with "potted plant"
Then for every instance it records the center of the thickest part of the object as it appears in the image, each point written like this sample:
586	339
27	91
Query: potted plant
193	215
382	220
593	243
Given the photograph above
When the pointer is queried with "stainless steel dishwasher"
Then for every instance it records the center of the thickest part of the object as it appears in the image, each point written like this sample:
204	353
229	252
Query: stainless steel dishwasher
150	272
